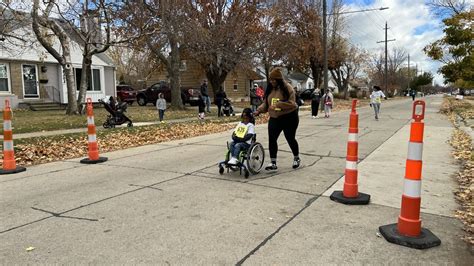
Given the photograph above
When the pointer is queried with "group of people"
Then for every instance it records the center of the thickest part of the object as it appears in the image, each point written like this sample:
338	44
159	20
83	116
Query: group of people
326	100
279	100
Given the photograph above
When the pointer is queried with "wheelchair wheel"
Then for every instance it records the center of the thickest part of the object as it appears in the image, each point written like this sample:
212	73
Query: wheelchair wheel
221	170
255	158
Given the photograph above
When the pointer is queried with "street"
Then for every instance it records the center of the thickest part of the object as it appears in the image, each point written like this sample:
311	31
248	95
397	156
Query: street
167	203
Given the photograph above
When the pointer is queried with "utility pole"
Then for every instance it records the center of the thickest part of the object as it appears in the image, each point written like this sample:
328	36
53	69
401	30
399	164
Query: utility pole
386	55
325	46
409	76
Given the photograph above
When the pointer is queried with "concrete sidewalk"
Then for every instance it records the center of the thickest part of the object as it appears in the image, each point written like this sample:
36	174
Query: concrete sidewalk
167	204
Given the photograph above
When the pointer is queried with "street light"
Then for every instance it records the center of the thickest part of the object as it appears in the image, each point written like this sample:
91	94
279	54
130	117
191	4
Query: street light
325	36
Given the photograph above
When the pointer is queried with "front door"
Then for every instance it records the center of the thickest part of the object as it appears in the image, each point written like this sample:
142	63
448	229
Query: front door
30	81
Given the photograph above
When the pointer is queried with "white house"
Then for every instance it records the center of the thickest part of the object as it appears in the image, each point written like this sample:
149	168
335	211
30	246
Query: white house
28	73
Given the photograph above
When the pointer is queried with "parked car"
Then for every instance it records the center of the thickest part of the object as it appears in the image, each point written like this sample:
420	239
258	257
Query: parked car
126	93
306	94
150	94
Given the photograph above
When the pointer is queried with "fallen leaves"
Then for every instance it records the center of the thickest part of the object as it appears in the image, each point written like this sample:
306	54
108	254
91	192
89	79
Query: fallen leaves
462	144
49	149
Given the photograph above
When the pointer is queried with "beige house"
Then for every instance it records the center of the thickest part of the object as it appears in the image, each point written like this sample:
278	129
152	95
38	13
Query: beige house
237	84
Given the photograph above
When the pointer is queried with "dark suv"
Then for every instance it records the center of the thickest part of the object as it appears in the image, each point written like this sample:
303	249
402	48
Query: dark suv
126	93
150	95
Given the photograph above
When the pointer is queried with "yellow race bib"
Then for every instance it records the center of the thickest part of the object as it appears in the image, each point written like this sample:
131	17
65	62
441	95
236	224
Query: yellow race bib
274	102
378	99
241	131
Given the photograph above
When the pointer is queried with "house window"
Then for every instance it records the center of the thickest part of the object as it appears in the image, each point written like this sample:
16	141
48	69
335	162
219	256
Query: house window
4	80
236	86
94	83
182	65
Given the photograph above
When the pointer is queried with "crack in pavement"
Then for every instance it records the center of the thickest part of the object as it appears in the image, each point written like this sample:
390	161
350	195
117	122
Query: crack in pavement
307	204
94	202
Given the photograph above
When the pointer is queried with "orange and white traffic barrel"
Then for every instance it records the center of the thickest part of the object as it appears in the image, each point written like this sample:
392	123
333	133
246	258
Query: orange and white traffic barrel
9	162
408	231
350	194
93	147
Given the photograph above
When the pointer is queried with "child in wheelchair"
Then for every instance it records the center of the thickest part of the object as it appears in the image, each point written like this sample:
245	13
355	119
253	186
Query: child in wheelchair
244	153
242	136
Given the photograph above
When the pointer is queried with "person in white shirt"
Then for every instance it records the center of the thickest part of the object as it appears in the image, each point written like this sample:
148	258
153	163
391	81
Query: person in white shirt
161	106
328	100
376	100
242	135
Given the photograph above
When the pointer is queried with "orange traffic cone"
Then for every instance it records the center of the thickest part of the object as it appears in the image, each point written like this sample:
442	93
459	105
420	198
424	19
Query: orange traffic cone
93	147
408	232
350	195
9	162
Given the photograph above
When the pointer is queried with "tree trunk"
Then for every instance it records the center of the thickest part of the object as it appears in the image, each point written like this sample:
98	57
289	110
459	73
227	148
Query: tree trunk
85	78
216	76
68	72
173	71
316	70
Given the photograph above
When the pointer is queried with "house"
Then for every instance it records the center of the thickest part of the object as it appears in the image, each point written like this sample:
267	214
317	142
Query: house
237	84
29	74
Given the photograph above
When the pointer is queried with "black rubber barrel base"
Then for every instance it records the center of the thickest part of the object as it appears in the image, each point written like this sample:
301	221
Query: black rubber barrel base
361	199
13	171
89	161
426	239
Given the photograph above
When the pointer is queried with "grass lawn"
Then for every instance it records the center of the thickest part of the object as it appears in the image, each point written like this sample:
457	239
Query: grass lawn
25	121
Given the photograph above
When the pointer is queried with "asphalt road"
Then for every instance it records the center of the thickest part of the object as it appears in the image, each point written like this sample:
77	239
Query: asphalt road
167	203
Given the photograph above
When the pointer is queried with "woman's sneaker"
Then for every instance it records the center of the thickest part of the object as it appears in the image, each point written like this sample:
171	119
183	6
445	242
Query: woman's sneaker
296	163
271	167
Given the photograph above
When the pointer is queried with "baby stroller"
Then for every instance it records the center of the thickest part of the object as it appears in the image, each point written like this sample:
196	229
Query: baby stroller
116	114
250	160
227	108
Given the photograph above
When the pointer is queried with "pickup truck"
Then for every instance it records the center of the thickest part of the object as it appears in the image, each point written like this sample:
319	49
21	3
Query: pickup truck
150	94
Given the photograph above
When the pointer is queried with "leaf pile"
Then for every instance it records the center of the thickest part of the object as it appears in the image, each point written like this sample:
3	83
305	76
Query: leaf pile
49	149
462	144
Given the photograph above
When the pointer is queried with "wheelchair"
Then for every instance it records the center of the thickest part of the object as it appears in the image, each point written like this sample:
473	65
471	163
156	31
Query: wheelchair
250	161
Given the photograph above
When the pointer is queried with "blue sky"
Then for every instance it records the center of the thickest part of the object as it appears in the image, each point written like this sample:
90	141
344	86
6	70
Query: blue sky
411	24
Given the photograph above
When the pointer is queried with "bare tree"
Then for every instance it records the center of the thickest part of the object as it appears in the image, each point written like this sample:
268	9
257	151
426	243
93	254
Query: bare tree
220	35
133	64
442	7
396	59
161	23
45	28
353	61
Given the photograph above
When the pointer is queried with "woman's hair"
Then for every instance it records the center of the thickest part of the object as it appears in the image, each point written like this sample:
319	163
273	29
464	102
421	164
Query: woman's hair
160	95
281	85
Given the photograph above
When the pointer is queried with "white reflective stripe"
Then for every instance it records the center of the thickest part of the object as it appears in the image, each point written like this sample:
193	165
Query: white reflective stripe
351	165
90	120
7	125
91	138
412	188
8	145
415	151
352	137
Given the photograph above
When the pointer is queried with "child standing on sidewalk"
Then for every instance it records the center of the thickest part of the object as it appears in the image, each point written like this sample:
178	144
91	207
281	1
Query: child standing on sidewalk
328	99
161	106
201	107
